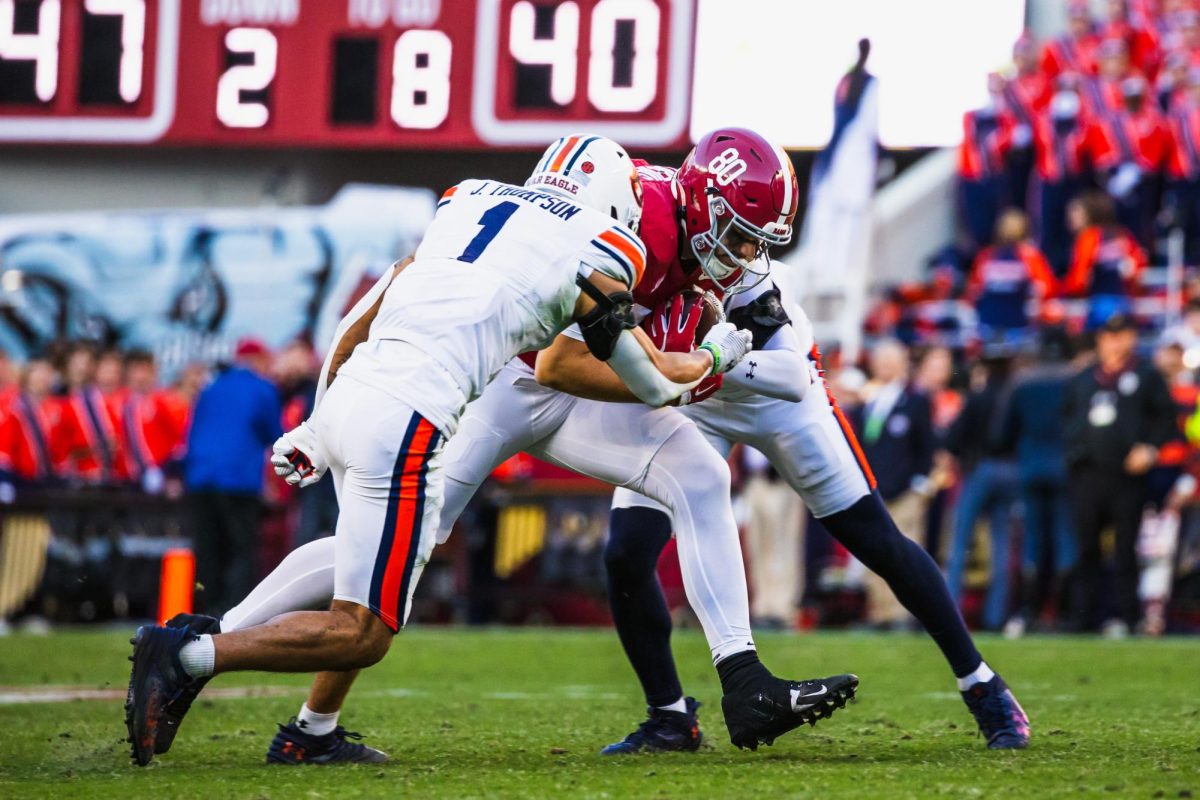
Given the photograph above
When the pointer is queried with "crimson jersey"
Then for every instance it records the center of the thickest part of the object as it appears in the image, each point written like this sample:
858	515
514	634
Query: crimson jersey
665	275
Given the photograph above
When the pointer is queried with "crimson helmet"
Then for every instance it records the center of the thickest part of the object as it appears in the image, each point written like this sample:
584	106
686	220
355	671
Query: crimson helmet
735	181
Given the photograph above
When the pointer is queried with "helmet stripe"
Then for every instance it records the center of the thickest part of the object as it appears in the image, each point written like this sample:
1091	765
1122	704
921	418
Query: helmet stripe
579	152
785	164
562	154
551	151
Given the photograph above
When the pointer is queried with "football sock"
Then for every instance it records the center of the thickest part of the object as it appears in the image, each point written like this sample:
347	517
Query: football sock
692	480
742	671
636	538
679	706
867	530
198	656
981	675
302	581
316	724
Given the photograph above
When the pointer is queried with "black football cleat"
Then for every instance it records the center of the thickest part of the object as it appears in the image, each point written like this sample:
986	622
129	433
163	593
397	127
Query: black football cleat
1001	719
156	680
293	746
195	624
762	714
663	731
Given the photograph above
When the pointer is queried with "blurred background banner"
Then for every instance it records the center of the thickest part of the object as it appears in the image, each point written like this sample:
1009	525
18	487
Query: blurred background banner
186	285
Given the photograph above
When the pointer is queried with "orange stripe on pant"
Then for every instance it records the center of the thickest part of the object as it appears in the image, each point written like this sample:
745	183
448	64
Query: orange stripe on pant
406	531
847	428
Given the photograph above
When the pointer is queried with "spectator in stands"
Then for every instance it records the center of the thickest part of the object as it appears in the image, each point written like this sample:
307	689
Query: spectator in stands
1061	148
1171	85
1186	333
774	543
1074	51
897	437
1030	423
1026	95
935	370
1102	93
987	138
28	452
1132	148
148	424
1183	195
1116	416
1105	261
1143	49
296	372
235	420
86	428
989	486
1007	279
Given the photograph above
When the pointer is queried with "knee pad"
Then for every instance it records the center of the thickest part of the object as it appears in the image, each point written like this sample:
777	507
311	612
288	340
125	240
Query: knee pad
636	537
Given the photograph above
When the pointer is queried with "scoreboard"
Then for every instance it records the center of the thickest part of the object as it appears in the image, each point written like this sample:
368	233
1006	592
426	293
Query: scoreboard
345	73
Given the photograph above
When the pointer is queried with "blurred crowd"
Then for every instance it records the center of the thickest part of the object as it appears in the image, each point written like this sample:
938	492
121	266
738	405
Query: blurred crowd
1055	484
1072	178
99	427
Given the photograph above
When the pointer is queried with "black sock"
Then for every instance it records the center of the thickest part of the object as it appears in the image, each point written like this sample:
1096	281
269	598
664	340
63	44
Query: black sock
866	529
741	671
636	537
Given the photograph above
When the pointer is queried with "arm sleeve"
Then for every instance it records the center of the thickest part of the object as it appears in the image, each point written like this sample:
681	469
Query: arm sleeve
779	370
633	366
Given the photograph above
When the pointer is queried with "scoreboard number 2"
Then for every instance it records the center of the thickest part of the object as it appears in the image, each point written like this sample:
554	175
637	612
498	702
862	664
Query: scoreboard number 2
233	109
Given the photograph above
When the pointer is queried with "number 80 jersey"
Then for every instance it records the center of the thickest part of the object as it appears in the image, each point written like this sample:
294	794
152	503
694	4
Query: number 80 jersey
494	276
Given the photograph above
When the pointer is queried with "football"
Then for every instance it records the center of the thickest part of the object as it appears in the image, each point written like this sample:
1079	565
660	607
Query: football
712	314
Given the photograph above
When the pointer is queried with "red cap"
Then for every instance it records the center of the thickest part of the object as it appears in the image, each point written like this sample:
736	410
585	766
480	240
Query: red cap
250	346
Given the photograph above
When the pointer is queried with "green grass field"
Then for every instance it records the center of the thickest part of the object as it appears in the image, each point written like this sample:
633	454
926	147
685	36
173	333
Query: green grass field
522	713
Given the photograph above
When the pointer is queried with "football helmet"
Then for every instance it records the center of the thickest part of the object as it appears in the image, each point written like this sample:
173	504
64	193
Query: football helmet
736	185
593	171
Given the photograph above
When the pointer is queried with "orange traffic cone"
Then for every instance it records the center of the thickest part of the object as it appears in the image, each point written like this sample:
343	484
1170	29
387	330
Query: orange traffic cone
176	583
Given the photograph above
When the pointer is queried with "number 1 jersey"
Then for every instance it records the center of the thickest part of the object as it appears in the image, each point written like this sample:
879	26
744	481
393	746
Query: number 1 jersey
494	276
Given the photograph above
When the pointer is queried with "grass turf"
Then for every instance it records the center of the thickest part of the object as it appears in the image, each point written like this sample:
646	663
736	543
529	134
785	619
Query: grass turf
522	713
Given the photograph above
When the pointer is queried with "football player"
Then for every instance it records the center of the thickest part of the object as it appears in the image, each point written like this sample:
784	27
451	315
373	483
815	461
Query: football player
810	444
501	270
657	452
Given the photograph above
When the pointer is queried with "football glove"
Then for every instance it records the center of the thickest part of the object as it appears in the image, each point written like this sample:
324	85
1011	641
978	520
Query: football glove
728	346
296	458
672	328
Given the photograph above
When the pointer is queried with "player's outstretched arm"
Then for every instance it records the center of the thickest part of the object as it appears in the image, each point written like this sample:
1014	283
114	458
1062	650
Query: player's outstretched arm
781	369
604	312
354	328
568	366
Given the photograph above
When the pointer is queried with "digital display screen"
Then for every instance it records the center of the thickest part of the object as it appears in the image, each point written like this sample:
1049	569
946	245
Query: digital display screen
353	73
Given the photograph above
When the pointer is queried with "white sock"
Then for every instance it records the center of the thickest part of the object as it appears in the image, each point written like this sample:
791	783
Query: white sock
198	657
316	724
982	674
679	705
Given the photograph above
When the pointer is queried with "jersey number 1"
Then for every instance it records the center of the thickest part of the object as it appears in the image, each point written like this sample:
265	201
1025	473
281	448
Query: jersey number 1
492	221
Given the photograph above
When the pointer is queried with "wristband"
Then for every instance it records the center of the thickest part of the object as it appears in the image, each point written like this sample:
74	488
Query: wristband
715	352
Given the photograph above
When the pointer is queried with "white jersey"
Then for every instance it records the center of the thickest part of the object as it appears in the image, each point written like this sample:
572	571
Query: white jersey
494	276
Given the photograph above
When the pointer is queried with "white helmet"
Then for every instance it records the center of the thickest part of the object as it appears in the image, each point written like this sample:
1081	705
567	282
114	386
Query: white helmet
593	171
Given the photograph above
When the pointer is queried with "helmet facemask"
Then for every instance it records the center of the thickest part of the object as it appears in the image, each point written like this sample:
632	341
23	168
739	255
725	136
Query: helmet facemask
731	273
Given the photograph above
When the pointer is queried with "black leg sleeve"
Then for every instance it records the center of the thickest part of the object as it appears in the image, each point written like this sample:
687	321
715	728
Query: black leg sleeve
868	532
636	538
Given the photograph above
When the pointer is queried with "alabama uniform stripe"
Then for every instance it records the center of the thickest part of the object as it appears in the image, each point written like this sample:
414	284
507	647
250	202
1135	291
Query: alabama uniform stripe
399	544
844	424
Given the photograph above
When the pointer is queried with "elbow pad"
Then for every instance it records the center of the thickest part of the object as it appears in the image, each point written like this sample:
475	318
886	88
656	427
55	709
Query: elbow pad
603	325
762	317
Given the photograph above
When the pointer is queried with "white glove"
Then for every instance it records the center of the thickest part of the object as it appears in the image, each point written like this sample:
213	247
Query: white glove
728	346
297	458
